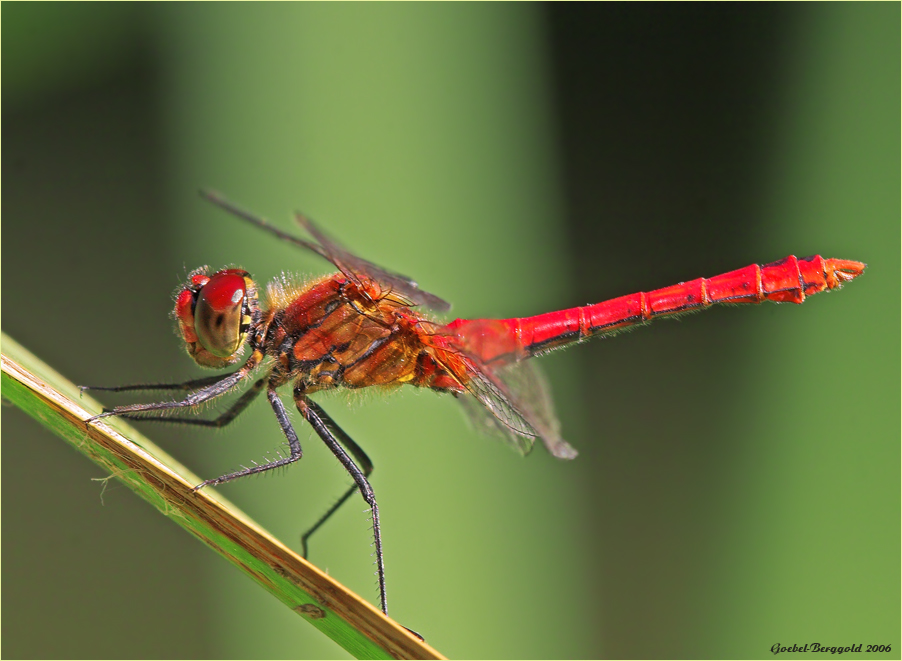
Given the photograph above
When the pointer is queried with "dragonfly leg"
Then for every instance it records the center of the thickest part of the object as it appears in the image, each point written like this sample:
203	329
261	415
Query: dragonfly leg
311	413
363	460
186	385
216	389
225	418
293	443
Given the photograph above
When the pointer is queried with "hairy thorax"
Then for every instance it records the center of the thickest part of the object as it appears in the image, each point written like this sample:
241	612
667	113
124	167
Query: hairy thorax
335	332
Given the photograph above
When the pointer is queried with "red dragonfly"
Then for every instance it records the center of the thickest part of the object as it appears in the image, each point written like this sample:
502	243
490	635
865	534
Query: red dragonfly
362	327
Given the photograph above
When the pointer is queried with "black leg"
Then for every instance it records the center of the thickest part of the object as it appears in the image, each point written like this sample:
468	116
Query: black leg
187	385
225	418
359	455
319	425
221	387
293	443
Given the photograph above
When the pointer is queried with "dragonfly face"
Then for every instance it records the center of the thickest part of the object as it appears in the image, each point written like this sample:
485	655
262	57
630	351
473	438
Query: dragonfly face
215	314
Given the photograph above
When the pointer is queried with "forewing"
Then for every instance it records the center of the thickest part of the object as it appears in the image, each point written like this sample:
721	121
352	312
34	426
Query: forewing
352	265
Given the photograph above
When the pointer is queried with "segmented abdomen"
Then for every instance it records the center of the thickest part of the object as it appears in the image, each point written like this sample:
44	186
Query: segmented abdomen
789	280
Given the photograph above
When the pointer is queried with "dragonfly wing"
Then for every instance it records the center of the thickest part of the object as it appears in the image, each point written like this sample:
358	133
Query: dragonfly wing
513	391
504	417
351	265
518	399
485	423
528	385
347	263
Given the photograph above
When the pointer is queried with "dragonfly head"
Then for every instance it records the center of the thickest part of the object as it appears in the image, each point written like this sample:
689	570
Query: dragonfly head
214	314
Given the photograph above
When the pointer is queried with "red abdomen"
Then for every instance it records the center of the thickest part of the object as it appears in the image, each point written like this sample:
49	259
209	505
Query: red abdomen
789	280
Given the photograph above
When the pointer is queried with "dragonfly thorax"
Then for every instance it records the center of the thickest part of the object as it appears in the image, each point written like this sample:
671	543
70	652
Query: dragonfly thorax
214	313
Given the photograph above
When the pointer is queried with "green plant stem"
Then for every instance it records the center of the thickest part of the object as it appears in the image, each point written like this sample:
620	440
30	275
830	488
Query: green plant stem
343	616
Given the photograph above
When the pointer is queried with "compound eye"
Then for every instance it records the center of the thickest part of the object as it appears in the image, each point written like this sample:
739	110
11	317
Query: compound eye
218	314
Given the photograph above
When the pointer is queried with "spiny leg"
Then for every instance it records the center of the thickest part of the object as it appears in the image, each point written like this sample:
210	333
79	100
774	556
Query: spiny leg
224	418
293	443
320	426
186	385
359	455
221	387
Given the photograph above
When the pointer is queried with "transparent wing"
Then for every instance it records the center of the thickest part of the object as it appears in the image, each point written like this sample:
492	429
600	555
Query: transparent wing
513	402
486	424
349	264
492	409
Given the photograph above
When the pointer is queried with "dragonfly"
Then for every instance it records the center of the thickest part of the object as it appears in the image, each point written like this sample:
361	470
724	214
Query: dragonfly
364	326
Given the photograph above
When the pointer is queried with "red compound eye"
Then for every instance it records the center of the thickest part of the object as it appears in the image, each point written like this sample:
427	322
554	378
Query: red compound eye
223	292
218	314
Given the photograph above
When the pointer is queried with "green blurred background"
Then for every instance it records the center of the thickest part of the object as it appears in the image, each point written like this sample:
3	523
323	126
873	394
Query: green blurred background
738	483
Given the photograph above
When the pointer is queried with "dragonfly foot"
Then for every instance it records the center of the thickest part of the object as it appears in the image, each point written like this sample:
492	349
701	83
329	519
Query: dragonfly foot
106	414
414	633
